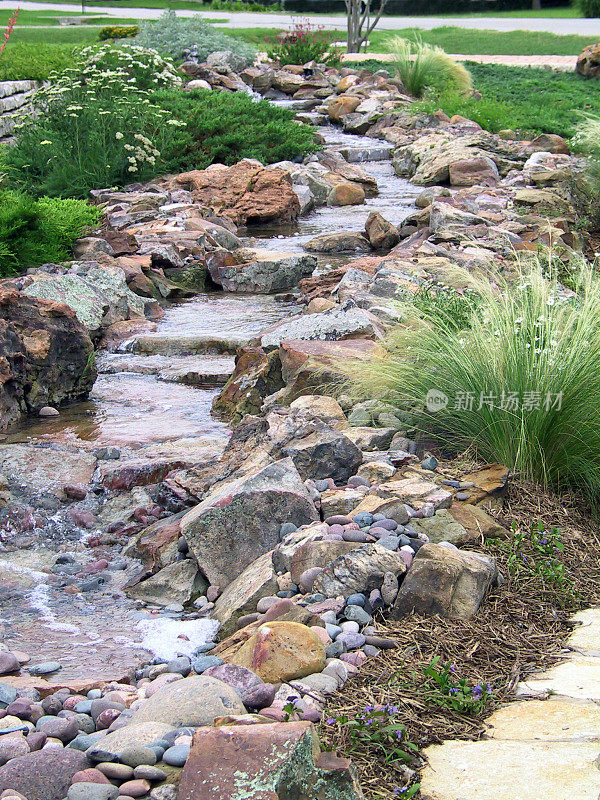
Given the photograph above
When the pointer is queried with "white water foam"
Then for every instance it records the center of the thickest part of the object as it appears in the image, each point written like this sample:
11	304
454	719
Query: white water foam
161	636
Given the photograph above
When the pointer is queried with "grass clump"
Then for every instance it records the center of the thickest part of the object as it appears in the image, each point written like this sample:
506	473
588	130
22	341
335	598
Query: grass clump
33	232
34	62
519	386
421	66
176	35
223	128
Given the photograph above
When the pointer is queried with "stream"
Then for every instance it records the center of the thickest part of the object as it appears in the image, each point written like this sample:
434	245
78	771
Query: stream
154	391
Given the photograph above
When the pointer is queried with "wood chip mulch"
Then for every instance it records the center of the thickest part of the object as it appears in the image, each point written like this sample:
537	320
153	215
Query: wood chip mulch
520	629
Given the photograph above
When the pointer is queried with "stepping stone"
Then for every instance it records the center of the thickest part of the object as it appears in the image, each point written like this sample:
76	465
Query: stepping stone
557	719
578	677
505	770
586	638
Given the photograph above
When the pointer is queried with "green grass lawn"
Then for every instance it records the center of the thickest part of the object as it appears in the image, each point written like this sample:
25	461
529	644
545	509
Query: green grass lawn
457	40
524	99
51	18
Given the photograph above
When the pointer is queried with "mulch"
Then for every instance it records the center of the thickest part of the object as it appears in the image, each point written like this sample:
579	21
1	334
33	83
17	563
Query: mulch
521	628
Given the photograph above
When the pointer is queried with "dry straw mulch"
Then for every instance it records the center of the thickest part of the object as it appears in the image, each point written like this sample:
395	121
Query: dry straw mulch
520	629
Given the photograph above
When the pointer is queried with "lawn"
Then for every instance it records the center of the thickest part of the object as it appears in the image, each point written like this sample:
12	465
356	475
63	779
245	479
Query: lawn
519	98
458	40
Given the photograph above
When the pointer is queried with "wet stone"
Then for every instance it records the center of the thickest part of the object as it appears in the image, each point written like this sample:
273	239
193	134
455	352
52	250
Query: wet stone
45	668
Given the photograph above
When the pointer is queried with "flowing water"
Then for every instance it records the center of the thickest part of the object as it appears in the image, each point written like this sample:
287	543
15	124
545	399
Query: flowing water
154	390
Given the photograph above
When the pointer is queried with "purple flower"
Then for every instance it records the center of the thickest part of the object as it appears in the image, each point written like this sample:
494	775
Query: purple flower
399	735
489	689
330	721
477	690
453	691
369	708
453	669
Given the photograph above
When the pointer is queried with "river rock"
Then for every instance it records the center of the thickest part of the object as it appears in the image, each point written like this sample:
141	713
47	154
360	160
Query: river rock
246	193
360	570
381	233
44	774
193	701
346	193
276	760
241	520
180	582
340	322
47	356
338	242
446	581
326	453
263	271
135	734
280	651
241	596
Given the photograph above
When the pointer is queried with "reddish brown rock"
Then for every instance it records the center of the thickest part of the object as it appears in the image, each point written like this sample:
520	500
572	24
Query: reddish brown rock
247	193
46	356
256	375
273	761
588	62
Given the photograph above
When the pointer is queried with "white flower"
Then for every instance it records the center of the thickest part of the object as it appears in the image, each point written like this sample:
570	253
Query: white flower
131	169
118	135
46	141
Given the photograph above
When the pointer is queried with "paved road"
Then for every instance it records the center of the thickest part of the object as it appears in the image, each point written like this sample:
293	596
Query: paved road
585	27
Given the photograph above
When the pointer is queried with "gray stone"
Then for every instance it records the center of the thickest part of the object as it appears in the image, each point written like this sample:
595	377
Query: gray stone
92	791
242	595
340	322
110	747
180	582
361	570
177	756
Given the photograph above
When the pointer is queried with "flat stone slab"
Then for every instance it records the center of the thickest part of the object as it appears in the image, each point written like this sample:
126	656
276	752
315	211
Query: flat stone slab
557	719
578	677
494	770
586	638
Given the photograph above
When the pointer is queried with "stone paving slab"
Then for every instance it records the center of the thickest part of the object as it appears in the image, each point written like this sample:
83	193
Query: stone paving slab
501	770
540	748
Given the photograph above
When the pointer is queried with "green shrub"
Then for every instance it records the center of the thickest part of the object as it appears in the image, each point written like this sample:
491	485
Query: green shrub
137	66
175	35
589	8
33	232
223	127
35	62
91	128
304	43
520	386
421	66
118	32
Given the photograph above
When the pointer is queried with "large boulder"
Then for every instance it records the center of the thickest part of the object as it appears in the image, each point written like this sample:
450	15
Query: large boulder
241	520
46	356
44	774
180	582
340	322
278	761
98	294
193	701
263	271
241	596
246	193
588	62
138	734
280	651
338	242
446	581
381	233
256	375
326	453
360	570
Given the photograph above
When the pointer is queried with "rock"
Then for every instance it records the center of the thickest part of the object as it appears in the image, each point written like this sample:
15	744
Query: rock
242	680
241	596
550	142
241	520
92	791
481	171
339	107
280	651
246	193
326	453
339	242
256	375
180	582
381	234
263	271
44	774
8	663
177	755
276	760
361	570
12	746
340	322
47	356
446	581
140	734
346	193
98	295
316	554
442	527
193	701
137	756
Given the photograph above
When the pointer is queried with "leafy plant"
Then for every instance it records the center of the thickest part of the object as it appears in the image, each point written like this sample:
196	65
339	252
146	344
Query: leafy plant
223	127
118	32
91	127
422	66
137	66
536	552
443	688
9	29
303	43
446	305
175	35
520	385
379	729
33	232
589	8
